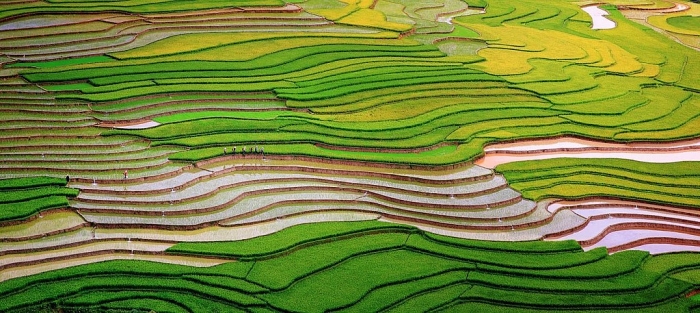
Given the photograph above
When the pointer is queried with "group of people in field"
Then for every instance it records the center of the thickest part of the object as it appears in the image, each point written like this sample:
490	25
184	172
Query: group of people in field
253	150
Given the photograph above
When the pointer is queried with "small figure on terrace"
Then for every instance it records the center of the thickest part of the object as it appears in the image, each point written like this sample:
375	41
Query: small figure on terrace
126	174
224	150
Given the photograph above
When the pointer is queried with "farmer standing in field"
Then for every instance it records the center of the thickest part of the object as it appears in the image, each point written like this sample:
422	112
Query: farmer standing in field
126	173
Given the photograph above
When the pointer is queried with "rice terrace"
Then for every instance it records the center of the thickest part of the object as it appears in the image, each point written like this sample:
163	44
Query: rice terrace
349	156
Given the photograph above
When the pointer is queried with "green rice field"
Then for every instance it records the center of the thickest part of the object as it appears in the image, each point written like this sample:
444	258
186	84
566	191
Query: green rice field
349	155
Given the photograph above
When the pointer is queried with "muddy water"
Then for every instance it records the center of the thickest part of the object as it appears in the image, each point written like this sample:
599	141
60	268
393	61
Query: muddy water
47	223
217	233
666	248
93	247
50	21
596	227
618	238
567	147
641	213
45	267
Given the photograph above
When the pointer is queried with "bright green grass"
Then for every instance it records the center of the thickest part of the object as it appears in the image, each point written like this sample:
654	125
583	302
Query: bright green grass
664	172
302	263
296	128
373	140
431	299
477	3
385	296
523	260
387	81
371	270
485	305
355	101
687	22
238	115
672	263
564	246
614	265
282	240
36	193
31	182
665	183
631	282
439	156
142	104
146	89
377	269
655	295
274	63
158	301
25	209
366	72
21	198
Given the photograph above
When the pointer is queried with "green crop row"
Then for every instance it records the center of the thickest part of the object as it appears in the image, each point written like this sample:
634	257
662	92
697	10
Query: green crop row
25	209
21	195
479	305
659	294
438	156
21	198
673	173
283	240
517	259
143	104
383	297
370	266
388	81
208	132
611	266
540	247
379	269
30	182
368	71
667	183
158	301
274	63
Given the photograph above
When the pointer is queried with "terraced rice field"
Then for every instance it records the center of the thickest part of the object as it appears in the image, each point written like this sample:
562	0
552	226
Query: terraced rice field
316	156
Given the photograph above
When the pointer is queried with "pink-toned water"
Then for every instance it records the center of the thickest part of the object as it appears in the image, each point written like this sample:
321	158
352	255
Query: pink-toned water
569	147
620	213
143	125
598	15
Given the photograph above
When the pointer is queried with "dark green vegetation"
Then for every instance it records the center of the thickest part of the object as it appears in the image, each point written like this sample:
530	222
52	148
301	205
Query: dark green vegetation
667	183
23	197
368	267
687	22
